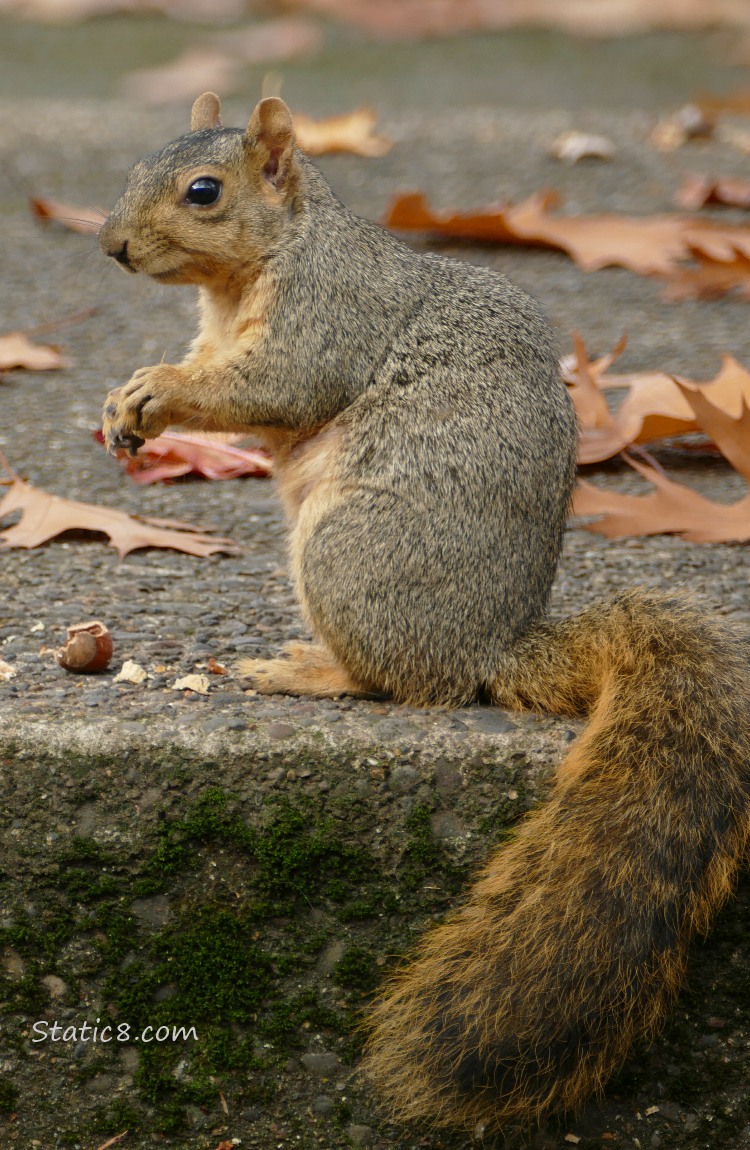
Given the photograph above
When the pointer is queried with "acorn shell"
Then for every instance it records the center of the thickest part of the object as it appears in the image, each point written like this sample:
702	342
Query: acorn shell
88	648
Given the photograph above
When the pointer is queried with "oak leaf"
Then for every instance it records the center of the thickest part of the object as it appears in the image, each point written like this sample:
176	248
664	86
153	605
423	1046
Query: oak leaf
85	221
173	455
649	245
44	516
196	70
17	350
709	278
657	405
671	509
219	65
696	191
351	132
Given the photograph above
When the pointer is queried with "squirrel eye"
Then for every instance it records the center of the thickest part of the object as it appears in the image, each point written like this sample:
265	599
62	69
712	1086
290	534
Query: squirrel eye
203	192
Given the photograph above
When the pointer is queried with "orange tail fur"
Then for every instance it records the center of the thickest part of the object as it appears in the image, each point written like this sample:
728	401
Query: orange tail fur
572	944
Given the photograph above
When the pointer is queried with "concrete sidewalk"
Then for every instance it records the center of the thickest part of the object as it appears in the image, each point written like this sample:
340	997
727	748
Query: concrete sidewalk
123	806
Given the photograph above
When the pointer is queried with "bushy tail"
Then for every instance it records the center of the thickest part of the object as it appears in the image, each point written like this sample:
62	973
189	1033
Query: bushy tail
572	944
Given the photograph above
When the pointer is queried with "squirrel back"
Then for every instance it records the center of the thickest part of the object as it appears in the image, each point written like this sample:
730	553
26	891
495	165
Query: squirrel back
425	449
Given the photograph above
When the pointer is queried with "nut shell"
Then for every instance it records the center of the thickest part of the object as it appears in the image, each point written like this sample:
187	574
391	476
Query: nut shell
88	648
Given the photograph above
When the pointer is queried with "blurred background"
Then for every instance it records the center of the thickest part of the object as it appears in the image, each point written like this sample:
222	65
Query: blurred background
330	54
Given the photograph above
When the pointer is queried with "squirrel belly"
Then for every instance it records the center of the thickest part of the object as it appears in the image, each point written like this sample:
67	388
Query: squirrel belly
425	449
572	944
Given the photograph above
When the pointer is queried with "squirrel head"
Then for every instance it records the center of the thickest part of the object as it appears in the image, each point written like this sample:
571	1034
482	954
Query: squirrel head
211	205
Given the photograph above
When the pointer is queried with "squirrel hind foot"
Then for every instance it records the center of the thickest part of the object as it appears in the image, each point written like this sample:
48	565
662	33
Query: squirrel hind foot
303	669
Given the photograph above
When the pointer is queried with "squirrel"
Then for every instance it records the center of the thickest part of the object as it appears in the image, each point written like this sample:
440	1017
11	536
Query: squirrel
425	451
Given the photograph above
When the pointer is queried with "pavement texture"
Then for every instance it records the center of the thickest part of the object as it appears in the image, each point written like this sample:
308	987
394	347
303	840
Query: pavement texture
143	825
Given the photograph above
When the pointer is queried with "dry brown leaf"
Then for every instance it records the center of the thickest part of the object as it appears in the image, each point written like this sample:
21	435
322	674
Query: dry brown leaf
670	509
218	65
173	455
197	70
737	102
288	38
649	245
600	437
66	11
696	191
86	221
44	516
709	278
17	350
351	132
412	18
652	408
656	406
728	428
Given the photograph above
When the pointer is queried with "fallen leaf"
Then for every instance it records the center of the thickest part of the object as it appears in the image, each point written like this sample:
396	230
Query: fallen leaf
86	221
737	102
287	38
600	436
215	668
406	19
657	405
197	70
730	430
6	671
351	132
219	65
172	455
44	516
66	11
197	683
709	278
649	245
574	146
17	350
671	509
696	191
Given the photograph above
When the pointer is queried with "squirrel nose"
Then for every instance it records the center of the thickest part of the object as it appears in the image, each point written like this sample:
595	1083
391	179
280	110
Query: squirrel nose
120	254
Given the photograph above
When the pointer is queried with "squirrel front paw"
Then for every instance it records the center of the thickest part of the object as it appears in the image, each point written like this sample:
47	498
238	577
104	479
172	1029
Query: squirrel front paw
142	408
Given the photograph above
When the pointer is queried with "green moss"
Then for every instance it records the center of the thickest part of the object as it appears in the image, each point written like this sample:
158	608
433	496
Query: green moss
230	965
356	970
425	855
8	1096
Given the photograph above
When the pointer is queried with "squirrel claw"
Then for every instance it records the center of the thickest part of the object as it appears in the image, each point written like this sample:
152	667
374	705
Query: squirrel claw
124	442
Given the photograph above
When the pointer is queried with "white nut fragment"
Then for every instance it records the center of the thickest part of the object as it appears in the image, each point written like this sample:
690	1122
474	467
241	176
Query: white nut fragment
575	146
197	683
130	672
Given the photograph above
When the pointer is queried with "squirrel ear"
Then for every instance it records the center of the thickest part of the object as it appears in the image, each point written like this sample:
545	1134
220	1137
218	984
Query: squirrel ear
206	112
270	135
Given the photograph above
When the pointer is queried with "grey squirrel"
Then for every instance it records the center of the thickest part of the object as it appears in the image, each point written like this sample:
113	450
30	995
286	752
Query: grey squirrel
425	454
